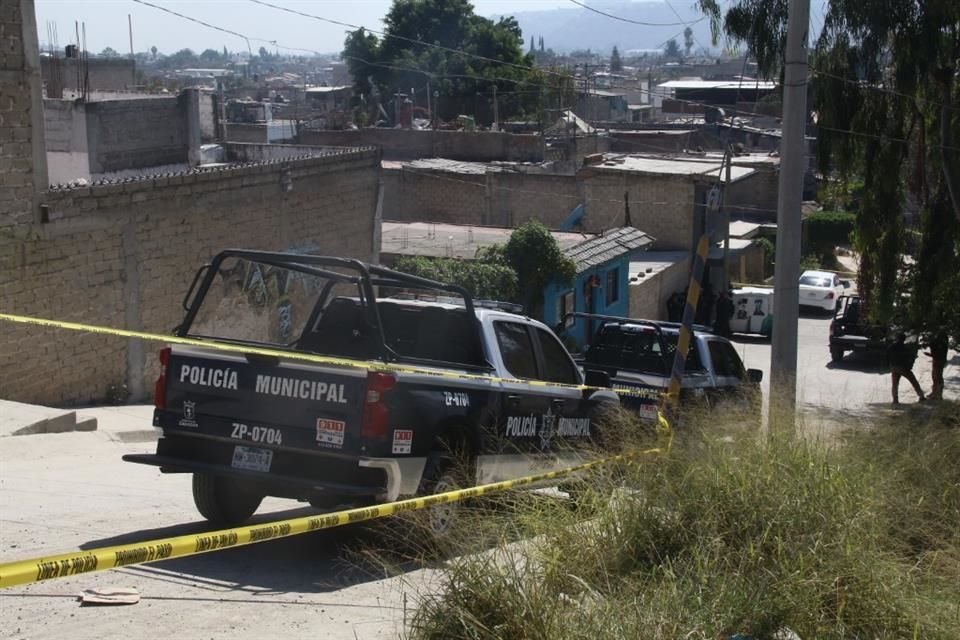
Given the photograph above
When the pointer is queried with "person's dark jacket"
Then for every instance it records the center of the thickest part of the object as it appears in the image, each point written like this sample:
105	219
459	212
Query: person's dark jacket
901	355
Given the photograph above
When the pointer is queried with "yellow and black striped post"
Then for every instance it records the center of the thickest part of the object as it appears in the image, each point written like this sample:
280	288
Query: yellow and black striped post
672	399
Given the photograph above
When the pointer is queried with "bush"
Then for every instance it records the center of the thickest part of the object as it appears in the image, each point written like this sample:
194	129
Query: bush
826	230
717	539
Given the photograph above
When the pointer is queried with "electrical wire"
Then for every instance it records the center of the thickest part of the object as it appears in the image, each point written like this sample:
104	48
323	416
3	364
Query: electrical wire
648	91
637	22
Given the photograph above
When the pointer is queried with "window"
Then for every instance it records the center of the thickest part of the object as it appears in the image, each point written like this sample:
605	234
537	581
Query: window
565	305
815	281
516	349
726	362
556	361
613	284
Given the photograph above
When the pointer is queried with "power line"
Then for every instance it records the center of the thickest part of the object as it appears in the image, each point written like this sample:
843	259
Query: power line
478	78
629	20
390	35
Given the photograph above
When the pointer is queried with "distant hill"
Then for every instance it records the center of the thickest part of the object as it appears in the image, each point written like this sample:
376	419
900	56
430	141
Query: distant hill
566	30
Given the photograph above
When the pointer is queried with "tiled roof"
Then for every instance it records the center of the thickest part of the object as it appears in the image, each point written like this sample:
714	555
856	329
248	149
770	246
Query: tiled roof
612	244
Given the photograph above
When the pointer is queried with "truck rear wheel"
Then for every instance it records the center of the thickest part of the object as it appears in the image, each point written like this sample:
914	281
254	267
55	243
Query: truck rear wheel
836	354
443	473
223	500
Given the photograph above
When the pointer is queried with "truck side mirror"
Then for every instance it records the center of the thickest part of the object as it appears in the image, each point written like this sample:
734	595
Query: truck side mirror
754	376
597	378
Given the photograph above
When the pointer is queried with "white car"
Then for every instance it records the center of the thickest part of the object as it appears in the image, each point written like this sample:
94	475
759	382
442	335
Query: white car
820	289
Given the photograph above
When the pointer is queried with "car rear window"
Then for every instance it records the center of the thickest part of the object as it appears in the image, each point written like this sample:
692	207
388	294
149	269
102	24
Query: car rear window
636	348
815	281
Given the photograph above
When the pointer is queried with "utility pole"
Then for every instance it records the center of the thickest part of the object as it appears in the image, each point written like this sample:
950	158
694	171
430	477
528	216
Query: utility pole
496	110
793	165
133	72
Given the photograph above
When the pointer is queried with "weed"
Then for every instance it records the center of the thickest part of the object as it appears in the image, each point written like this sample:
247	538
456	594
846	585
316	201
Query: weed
741	534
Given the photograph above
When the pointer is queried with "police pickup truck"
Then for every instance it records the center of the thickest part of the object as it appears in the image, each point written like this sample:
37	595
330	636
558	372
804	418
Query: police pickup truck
404	386
638	356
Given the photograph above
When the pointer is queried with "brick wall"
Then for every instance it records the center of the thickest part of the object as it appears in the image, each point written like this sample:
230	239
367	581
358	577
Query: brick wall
660	206
410	144
495	199
102	74
21	146
122	255
755	197
129	134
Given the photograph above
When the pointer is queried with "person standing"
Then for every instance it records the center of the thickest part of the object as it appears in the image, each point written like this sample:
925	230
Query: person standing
901	357
938	345
675	306
724	310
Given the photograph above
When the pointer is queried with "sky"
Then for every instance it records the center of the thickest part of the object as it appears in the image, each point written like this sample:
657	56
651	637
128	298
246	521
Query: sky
106	22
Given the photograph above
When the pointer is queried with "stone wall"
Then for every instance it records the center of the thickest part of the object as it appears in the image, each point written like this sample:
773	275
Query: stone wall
123	254
129	134
410	144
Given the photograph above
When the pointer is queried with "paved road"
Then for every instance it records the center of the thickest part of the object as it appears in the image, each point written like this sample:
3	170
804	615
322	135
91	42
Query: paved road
832	395
66	491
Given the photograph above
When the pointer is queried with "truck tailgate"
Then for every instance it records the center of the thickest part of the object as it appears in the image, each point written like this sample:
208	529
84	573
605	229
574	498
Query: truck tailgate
266	402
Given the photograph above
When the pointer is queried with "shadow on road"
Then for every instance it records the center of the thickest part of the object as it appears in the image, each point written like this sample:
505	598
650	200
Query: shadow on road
816	313
318	562
861	363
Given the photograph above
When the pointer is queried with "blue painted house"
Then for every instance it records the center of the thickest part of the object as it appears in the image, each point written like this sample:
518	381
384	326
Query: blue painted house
601	284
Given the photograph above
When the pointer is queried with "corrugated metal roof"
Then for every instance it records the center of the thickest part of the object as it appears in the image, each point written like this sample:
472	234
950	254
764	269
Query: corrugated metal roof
746	83
612	244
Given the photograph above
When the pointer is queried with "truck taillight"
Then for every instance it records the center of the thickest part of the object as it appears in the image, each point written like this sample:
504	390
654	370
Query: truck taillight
376	414
160	387
830	296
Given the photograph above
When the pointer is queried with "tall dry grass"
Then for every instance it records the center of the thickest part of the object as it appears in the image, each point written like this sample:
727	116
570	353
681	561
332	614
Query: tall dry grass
731	533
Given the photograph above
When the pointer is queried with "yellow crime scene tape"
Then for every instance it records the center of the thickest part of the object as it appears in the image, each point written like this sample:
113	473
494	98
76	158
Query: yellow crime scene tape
377	365
79	562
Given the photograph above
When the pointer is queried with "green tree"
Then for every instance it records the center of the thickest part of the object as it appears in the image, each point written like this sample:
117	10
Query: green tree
687	40
108	52
616	64
153	52
534	254
672	50
484	279
888	103
400	60
210	57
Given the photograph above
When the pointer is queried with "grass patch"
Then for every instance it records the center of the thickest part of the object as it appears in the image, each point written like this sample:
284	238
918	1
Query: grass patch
725	536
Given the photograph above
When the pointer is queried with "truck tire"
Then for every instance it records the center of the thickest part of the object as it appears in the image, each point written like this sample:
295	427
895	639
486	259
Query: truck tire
443	472
222	500
836	354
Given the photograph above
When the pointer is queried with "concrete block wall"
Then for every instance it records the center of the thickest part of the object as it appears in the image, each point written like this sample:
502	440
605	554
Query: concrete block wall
500	199
21	119
410	144
130	134
661	206
648	296
123	255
